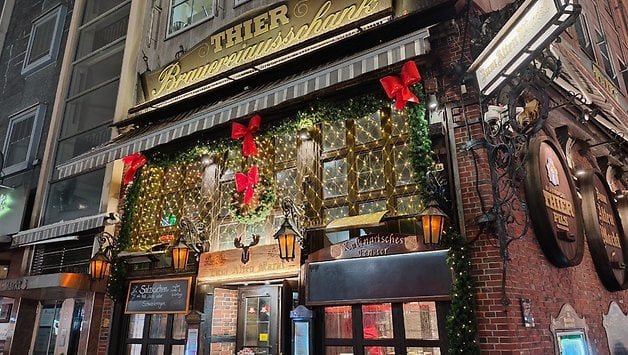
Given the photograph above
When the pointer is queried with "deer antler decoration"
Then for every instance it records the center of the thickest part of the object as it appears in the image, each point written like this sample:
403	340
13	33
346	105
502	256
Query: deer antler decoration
237	242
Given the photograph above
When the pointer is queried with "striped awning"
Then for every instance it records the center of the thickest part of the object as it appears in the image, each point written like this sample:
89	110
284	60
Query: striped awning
63	228
242	105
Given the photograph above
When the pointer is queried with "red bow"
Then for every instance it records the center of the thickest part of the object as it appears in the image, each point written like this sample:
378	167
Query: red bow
134	161
399	87
247	182
239	130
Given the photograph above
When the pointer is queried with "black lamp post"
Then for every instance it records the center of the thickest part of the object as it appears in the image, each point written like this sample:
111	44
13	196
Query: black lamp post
288	234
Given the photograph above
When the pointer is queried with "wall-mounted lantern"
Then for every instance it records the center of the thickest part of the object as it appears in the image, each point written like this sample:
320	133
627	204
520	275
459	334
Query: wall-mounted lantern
289	233
100	263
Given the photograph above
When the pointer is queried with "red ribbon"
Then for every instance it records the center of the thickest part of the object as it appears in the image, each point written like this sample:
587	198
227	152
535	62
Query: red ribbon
134	161
239	130
398	87
247	182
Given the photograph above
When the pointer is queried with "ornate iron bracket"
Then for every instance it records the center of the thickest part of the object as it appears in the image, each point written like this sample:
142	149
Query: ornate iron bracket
507	131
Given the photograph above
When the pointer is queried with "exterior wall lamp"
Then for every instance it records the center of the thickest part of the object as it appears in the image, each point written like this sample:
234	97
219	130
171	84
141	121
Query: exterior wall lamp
100	263
289	234
433	222
192	236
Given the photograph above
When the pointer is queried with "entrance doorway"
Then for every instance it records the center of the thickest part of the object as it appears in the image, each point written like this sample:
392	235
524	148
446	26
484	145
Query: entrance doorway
259	319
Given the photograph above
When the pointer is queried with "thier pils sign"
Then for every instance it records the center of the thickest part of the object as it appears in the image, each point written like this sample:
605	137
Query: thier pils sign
273	30
605	235
554	207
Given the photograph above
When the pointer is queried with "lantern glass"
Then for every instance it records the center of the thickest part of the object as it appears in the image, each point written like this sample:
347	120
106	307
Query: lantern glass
432	228
286	245
99	266
180	254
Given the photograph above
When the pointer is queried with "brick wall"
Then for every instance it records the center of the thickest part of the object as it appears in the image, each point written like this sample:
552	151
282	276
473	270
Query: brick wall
224	319
105	326
530	274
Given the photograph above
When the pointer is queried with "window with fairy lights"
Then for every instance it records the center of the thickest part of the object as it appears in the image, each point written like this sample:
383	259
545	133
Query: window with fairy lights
365	168
346	167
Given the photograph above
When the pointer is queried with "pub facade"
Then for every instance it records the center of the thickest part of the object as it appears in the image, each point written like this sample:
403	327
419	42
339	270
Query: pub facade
275	162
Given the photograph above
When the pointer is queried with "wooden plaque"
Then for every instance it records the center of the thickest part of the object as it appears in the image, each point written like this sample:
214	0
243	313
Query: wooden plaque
553	204
605	235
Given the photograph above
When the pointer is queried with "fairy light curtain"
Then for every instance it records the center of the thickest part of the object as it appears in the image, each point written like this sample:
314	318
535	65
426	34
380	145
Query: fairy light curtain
348	167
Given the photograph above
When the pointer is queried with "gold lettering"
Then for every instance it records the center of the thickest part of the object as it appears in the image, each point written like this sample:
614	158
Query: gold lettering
233	35
168	78
260	24
277	16
558	204
247	29
216	41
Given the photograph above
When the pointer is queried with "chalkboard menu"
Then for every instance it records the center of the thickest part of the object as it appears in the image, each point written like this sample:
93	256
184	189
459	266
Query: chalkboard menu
159	296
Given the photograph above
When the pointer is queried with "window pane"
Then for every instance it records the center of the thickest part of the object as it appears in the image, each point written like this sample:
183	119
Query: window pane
226	234
403	169
335	213
399	122
423	351
179	327
103	32
184	13
286	184
90	110
157	328
42	33
226	189
377	321
20	139
379	350
76	197
334	135
368	129
71	147
178	349
134	349
338	350
370	171
372	206
420	320
96	70
285	147
338	322
154	349
409	205
95	8
335	178
136	325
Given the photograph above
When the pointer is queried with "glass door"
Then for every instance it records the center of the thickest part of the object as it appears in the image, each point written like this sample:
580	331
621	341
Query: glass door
258	320
47	329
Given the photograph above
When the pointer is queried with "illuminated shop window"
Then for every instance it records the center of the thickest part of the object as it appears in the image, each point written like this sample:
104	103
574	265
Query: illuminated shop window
386	328
184	13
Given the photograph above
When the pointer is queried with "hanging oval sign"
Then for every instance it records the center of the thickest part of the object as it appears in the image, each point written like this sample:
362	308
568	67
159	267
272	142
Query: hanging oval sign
554	206
605	235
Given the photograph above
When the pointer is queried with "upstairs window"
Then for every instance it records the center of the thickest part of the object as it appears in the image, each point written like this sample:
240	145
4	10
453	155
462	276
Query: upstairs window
239	2
44	41
606	57
584	38
22	139
623	69
185	13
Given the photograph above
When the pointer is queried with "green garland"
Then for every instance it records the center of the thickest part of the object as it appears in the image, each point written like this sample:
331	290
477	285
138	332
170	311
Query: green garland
118	274
421	154
462	326
265	205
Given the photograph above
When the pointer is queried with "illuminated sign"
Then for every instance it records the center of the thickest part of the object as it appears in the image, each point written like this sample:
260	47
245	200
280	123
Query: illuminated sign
271	31
12	204
531	27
